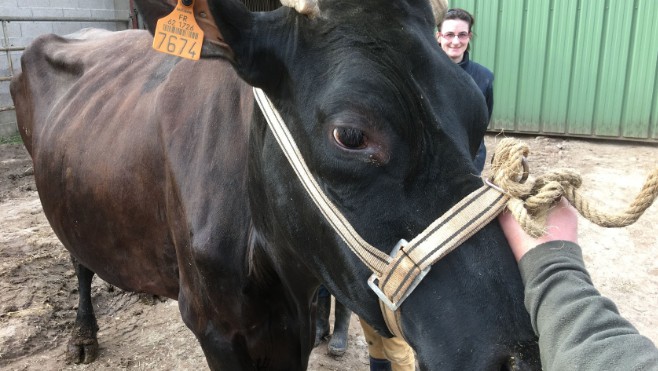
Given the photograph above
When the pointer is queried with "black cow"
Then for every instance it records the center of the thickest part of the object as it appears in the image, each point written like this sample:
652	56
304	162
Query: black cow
161	176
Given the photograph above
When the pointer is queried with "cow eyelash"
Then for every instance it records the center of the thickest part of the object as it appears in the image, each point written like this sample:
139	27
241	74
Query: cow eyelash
350	138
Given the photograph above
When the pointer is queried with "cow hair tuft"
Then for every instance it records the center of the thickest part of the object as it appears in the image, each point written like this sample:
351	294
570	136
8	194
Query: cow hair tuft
439	8
257	267
309	8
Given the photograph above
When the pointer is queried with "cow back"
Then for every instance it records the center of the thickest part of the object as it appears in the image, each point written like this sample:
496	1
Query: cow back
104	119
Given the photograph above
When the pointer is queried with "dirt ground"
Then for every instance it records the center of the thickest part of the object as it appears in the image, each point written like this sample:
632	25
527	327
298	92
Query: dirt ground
38	293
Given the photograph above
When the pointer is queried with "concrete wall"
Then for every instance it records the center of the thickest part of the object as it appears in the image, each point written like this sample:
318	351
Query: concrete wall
17	34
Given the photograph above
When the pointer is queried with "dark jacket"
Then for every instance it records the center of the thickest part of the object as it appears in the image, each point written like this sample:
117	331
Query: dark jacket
578	328
482	77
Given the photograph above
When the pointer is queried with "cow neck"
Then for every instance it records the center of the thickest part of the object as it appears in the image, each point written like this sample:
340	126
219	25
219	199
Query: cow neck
396	275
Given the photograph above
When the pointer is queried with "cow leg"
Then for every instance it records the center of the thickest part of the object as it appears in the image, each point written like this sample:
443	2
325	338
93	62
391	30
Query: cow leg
322	315
83	345
338	343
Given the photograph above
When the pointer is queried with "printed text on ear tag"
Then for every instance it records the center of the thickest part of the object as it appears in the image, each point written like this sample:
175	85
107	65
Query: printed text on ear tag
178	33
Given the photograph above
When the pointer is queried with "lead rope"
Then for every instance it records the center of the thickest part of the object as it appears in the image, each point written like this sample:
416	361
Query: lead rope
530	201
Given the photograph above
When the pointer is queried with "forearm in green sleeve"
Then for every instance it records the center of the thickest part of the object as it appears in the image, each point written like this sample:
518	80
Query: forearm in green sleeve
578	328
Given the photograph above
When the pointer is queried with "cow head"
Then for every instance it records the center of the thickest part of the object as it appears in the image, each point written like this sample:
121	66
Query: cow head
388	125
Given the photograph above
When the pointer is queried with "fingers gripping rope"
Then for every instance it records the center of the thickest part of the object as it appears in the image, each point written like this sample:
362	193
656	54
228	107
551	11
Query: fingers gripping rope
531	200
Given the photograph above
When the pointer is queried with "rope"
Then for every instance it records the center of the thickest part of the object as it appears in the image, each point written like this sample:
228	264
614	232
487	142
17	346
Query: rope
531	199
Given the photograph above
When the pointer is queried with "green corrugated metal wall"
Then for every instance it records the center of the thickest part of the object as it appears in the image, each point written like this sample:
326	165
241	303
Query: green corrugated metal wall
574	67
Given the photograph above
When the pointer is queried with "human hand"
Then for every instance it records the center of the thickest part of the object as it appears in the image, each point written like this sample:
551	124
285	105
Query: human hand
561	224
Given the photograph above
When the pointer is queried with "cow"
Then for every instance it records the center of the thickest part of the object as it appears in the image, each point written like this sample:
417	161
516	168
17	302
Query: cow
160	175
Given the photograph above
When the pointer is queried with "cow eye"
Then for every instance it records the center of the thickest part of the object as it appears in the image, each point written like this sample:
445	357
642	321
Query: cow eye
350	138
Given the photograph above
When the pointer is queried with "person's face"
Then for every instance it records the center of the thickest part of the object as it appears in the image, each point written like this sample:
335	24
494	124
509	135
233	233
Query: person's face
454	36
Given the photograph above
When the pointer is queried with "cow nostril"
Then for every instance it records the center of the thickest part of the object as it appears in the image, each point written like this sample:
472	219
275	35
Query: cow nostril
509	364
513	363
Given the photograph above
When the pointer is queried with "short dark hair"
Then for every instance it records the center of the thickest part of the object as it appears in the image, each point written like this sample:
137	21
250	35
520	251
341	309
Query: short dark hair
461	14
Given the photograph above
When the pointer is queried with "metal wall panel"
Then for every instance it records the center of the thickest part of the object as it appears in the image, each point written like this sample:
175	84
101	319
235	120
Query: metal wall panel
561	43
586	62
533	64
570	67
641	77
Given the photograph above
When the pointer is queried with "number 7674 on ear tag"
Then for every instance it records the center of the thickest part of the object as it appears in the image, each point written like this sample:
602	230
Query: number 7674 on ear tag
178	33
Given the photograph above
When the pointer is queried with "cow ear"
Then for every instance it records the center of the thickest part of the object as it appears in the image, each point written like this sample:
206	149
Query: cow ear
213	43
231	31
253	38
152	10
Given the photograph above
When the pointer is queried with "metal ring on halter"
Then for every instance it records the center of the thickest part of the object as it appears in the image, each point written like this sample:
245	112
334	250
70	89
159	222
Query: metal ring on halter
373	281
490	184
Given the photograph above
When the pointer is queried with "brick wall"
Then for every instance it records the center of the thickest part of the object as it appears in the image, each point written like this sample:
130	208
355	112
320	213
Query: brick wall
17	34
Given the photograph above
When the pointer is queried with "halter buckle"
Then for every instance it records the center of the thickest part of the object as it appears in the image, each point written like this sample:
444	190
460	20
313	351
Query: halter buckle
374	280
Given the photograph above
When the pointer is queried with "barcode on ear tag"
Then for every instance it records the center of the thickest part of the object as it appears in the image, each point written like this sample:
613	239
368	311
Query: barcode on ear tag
178	33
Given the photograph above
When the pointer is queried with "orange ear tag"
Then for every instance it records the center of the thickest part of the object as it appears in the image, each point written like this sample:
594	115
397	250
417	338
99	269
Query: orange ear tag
178	33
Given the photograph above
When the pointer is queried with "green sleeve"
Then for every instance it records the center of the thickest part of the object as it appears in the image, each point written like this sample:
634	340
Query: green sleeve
578	328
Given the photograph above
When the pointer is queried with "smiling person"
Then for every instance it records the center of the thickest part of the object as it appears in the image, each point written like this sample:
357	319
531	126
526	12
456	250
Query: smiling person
454	34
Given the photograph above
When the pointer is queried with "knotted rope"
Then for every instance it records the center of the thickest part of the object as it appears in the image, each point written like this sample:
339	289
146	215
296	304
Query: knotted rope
532	198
